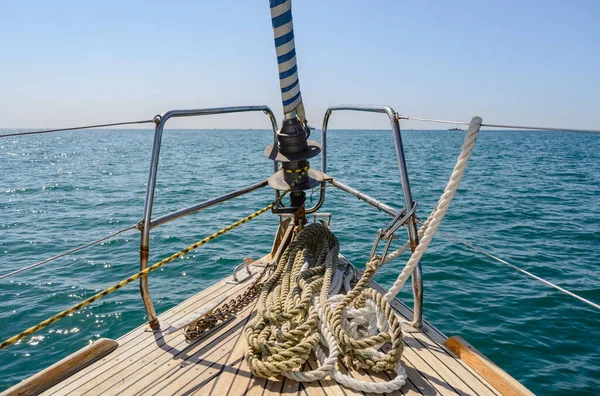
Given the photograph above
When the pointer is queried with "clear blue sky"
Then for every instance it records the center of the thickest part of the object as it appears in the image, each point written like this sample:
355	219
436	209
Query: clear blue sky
71	62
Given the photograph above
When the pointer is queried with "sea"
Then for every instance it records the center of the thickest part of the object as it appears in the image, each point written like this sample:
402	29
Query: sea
531	198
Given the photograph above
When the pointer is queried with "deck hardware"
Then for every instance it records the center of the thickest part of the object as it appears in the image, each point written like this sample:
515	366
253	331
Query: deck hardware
388	233
323	218
293	149
398	222
363	197
159	329
246	264
206	204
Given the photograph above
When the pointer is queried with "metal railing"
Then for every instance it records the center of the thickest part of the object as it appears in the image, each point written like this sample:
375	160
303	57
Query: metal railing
411	223
203	205
147	223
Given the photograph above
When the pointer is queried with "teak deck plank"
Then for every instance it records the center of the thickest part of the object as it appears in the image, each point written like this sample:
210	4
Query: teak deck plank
131	359
138	339
231	379
146	363
169	355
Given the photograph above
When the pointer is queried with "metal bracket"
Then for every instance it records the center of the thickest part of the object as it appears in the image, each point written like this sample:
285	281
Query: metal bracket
398	222
161	326
388	234
245	277
323	218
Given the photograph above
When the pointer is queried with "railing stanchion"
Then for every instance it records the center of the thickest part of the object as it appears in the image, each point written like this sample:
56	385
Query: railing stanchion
413	236
160	122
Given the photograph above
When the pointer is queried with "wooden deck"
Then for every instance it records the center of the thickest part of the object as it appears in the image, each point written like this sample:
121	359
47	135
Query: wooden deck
150	363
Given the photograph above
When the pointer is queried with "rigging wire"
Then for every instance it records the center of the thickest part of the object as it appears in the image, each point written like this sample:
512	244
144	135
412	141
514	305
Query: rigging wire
539	128
492	256
67	252
76	128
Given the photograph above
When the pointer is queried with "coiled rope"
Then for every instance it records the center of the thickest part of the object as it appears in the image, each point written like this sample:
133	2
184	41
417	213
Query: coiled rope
301	309
152	268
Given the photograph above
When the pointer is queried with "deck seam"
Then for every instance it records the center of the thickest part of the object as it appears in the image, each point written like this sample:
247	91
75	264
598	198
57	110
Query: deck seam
221	340
122	350
213	337
247	320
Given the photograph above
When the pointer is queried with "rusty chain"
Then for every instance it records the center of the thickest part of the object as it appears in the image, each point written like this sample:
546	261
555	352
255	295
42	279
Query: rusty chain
227	311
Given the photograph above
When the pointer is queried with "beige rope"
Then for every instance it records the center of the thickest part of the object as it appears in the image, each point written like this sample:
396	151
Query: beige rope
295	315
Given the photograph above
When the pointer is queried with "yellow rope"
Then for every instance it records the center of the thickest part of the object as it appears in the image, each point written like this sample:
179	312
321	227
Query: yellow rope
305	169
154	267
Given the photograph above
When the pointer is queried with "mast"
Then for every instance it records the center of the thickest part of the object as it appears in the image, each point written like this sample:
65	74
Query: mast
293	149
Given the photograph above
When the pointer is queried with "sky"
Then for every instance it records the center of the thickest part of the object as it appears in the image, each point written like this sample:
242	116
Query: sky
65	63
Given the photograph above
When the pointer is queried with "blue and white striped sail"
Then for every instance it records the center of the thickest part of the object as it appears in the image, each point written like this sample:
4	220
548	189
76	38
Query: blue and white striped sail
283	32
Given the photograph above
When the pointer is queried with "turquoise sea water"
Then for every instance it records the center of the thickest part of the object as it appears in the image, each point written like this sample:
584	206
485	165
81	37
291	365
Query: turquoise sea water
532	198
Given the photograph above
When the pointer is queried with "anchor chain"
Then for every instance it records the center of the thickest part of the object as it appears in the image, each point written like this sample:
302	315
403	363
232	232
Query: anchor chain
227	311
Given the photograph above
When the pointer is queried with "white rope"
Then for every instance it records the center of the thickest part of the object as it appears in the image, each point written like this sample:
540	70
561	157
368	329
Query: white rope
371	317
434	220
375	321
